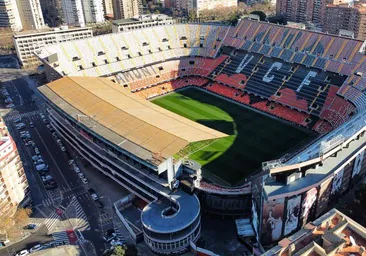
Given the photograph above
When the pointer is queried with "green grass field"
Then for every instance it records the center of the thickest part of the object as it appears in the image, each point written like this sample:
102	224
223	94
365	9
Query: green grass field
254	137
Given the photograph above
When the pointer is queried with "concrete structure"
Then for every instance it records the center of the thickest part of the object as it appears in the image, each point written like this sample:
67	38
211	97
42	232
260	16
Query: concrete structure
13	182
9	15
141	21
346	17
125	9
26	43
31	14
331	234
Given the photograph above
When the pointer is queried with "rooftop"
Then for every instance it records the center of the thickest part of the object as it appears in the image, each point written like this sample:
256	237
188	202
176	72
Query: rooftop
48	30
331	234
124	115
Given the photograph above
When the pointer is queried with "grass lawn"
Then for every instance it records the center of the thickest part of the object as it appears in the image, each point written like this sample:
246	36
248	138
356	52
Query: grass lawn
253	137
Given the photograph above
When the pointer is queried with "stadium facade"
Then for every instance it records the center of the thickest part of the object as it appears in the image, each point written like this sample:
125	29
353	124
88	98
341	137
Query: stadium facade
312	80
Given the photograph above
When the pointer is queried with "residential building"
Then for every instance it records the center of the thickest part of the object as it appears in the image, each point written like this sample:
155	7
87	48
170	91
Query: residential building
80	12
27	42
141	21
93	11
108	8
9	15
304	10
125	9
344	17
331	234
200	5
73	12
31	14
52	12
14	189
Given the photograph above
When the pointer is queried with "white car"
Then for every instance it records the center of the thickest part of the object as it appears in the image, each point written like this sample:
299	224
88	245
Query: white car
76	169
117	242
81	175
95	197
85	180
71	162
22	253
36	248
63	149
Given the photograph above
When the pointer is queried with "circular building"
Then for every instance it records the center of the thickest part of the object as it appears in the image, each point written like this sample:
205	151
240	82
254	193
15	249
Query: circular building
170	225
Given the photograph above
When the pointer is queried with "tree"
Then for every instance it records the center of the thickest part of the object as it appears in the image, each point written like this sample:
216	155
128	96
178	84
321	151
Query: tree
119	251
192	15
262	15
156	12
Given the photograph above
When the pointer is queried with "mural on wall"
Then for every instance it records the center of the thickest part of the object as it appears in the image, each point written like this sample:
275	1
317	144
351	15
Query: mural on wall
323	198
308	203
337	182
272	220
292	214
357	164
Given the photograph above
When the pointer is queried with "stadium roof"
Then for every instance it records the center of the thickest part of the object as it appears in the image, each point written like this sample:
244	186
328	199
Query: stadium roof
126	114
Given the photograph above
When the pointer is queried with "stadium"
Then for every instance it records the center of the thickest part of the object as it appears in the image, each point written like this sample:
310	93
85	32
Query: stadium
256	120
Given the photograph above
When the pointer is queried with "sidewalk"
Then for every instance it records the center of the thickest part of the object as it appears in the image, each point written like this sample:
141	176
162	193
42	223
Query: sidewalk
67	250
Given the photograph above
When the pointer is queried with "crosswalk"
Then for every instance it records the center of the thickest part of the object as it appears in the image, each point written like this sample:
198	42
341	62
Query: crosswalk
47	202
105	219
60	237
51	221
80	220
119	235
12	116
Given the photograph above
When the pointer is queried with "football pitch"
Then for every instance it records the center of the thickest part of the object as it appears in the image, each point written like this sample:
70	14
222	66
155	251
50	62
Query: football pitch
253	137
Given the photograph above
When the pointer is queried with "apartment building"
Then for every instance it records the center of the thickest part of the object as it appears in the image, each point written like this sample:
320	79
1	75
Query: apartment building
27	42
108	8
304	10
52	12
14	189
93	11
9	15
126	9
31	14
200	5
341	18
141	21
80	12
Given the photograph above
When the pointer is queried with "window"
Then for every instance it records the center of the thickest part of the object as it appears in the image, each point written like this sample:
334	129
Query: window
145	44
118	59
165	40
185	45
201	45
183	38
81	67
106	61
191	62
124	48
125	85
75	58
100	53
93	64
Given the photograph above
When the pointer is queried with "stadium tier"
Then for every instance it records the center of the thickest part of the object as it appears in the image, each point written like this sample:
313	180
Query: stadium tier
229	99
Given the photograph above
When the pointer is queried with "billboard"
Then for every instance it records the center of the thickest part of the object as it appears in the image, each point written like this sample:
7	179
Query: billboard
308	204
357	164
292	214
337	182
272	220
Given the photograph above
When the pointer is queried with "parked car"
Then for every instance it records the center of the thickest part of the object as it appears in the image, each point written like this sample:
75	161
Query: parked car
76	169
30	226
109	235
22	253
71	161
116	242
85	180
81	175
36	248
8	100
93	194
63	149
11	105
42	167
46	178
20	126
17	120
31	124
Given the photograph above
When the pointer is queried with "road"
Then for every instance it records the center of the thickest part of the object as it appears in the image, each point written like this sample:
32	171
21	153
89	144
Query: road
71	192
